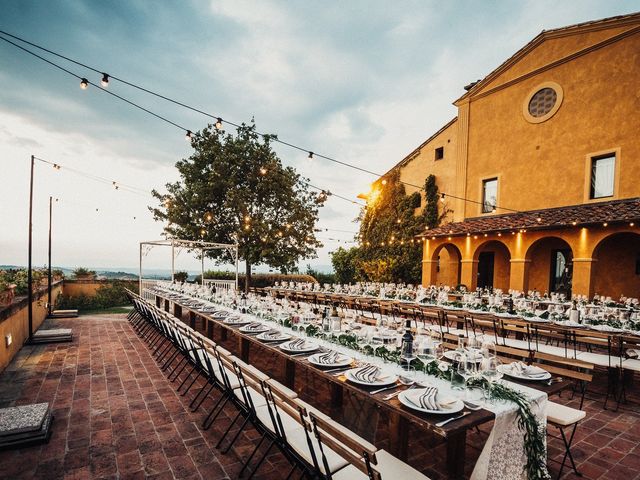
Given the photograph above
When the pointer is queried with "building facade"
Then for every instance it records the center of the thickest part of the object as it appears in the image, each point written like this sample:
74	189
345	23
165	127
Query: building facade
540	170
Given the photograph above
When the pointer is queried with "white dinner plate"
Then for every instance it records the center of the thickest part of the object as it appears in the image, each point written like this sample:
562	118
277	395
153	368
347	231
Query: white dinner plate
281	338
570	324
343	361
454	407
506	370
451	355
306	347
386	379
607	328
236	321
261	329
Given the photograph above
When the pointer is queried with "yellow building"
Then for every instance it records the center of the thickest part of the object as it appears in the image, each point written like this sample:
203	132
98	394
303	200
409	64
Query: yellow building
540	170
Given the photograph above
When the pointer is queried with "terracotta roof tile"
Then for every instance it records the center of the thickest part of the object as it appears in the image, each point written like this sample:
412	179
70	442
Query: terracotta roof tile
550	218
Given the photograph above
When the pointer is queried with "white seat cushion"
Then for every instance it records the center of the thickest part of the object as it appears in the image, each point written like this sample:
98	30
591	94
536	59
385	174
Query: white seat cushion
599	359
631	364
289	424
337	425
562	415
297	440
256	397
390	468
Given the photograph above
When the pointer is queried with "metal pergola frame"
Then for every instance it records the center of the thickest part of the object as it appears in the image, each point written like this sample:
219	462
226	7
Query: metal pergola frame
232	248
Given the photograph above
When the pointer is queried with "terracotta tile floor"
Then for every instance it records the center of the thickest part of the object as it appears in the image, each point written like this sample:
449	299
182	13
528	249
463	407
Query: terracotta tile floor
117	416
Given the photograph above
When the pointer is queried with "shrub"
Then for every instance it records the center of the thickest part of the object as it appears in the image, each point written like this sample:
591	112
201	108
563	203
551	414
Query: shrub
83	272
258	280
180	276
108	295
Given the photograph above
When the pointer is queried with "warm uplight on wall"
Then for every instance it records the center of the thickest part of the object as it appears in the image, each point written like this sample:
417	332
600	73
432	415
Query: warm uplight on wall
84	83
105	80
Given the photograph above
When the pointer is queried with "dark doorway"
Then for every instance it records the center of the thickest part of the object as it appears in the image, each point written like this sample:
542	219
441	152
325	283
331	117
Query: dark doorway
485	269
561	272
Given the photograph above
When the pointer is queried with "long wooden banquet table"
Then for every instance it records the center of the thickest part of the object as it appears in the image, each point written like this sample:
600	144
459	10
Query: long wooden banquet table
400	418
613	342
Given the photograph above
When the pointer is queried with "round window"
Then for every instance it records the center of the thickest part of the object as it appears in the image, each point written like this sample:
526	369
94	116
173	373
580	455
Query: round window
542	102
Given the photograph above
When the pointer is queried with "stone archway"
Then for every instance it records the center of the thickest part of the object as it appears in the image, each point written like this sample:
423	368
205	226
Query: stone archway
616	266
551	266
492	265
446	263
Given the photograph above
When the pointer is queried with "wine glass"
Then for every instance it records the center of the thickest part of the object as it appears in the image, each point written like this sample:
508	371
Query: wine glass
490	370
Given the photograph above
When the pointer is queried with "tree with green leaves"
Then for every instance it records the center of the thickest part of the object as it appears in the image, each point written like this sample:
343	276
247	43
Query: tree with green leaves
234	188
389	251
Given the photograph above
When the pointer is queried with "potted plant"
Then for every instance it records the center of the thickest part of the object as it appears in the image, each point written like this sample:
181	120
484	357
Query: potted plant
57	274
180	276
7	291
82	273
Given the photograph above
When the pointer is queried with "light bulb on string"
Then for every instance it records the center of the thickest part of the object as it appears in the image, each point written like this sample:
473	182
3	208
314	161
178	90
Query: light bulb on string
84	83
442	195
219	123
105	80
188	136
384	181
263	171
310	157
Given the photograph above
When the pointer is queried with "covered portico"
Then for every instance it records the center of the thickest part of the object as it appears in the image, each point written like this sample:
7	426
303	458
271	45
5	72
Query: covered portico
584	249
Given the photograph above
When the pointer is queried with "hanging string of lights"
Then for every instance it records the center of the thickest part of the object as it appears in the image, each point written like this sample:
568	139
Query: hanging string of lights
84	83
116	185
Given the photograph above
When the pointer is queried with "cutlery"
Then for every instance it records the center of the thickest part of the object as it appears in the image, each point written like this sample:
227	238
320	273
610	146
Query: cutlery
390	387
395	394
554	380
338	369
457	417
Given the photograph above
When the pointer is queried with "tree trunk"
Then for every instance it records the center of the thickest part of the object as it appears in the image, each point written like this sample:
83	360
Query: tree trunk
247	277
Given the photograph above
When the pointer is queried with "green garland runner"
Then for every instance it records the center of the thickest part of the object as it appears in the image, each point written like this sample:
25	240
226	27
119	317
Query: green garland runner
534	433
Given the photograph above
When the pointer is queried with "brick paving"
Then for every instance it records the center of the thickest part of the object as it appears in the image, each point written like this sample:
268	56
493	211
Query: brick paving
117	416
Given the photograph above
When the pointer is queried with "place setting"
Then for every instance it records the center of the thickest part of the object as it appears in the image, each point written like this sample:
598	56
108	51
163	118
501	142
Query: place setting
298	346
272	336
522	371
330	360
254	328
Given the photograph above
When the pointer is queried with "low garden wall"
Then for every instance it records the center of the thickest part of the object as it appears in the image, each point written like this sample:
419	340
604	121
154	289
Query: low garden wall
14	321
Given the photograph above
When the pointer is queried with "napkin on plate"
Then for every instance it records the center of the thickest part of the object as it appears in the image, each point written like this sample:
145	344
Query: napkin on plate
428	399
328	358
525	370
253	326
297	344
272	334
368	373
632	353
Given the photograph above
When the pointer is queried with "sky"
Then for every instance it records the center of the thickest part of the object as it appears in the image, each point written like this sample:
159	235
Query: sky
362	81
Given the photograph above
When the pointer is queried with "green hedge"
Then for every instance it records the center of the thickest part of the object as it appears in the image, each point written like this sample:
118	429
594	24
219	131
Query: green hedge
258	280
109	295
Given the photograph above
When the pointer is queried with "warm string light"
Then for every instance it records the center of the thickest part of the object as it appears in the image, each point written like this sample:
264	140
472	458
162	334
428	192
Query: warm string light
218	124
84	83
105	80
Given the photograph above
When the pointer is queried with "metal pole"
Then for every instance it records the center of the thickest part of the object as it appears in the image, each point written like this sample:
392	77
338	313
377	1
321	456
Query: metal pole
29	273
140	272
173	258
236	267
202	266
50	276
